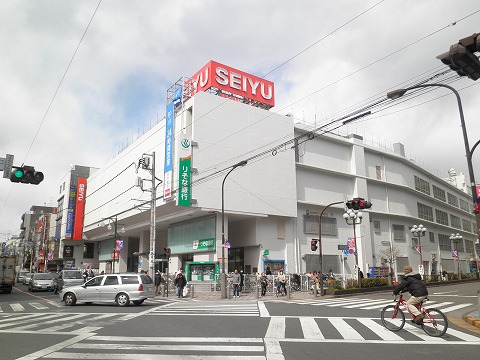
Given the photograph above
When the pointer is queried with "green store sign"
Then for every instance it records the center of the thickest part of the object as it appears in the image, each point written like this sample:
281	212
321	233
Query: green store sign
205	244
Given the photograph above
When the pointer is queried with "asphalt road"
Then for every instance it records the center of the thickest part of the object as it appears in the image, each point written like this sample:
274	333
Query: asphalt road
274	328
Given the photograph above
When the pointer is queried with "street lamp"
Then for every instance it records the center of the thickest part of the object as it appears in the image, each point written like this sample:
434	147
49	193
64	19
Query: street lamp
395	94
115	234
390	260
223	278
354	217
419	231
456	238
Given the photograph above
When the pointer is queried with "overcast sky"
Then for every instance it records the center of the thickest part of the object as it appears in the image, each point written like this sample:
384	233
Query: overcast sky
323	56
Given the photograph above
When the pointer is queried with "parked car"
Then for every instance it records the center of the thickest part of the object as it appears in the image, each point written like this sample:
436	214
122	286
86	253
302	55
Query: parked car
26	278
21	274
41	281
111	288
67	278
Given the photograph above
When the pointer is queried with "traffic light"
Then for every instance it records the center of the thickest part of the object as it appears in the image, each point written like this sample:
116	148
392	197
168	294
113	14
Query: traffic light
358	204
167	251
461	57
26	175
313	245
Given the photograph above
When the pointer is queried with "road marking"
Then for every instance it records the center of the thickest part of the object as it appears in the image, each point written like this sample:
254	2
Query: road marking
276	328
263	309
347	332
17	307
379	330
455	307
310	328
38	306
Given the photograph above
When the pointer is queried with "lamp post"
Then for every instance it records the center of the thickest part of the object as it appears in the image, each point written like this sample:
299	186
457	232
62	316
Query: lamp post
390	260
223	277
419	231
456	238
395	94
115	235
354	217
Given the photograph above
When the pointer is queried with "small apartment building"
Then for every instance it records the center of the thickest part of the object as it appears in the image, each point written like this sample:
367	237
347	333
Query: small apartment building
271	203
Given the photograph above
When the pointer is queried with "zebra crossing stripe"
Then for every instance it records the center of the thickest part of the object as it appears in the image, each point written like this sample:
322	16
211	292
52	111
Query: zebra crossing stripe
345	330
380	330
276	328
263	309
17	307
370	302
38	306
452	308
310	328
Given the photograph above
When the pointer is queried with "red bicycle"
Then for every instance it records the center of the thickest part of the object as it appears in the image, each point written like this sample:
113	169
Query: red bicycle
434	323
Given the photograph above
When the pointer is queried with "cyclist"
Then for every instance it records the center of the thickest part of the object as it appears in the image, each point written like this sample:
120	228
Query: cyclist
416	287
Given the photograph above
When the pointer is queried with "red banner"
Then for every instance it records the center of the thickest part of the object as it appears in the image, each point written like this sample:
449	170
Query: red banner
79	209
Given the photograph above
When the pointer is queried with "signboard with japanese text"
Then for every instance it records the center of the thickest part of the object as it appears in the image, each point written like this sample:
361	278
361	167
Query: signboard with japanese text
184	171
168	167
204	244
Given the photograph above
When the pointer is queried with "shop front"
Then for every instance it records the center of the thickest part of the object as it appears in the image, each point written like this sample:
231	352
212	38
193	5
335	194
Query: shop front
202	271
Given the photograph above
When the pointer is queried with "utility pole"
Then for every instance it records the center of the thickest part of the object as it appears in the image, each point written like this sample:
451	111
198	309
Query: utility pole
153	227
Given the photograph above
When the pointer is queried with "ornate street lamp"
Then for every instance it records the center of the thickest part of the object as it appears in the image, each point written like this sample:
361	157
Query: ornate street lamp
354	217
455	239
418	232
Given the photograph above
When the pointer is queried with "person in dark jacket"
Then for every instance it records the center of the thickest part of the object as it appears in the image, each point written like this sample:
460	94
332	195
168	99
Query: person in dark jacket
180	283
416	287
158	282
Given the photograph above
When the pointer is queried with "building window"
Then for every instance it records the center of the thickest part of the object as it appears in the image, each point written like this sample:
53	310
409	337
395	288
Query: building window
452	200
439	193
455	222
425	212
398	232
444	242
89	250
422	185
378	171
329	225
464	205
431	235
466	225
441	216
376	227
469	247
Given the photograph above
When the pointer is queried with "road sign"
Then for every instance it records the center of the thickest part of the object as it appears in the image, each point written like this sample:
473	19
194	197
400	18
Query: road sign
7	168
343	247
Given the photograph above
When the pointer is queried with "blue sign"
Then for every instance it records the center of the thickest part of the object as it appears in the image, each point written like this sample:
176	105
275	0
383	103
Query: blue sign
69	229
177	98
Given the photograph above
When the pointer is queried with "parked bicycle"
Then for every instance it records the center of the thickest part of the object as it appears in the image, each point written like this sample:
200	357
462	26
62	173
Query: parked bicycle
434	323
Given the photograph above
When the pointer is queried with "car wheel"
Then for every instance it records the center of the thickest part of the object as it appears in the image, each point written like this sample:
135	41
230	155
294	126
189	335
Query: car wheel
138	302
70	299
122	299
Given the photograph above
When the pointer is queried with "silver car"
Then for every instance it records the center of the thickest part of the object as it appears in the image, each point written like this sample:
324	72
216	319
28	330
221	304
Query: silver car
111	288
68	278
41	281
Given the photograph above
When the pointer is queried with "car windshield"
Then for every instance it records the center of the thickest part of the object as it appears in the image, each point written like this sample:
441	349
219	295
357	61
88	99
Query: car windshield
72	275
43	276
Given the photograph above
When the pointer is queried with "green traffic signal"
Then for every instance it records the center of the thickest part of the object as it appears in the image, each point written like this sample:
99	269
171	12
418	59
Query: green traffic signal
18	173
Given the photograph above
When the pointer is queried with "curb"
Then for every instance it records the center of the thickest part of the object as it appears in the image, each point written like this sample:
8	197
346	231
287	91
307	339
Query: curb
472	321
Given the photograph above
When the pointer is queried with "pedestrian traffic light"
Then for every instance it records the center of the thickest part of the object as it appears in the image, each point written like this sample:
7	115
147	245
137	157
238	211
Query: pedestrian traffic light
26	175
358	204
461	57
313	245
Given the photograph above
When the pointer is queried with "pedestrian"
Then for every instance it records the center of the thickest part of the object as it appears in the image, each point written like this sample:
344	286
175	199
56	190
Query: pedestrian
91	274
180	283
281	281
158	281
264	284
331	276
85	276
236	283
416	287
242	279
268	271
444	275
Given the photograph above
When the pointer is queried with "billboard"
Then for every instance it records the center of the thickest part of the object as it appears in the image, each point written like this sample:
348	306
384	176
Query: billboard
184	171
233	81
168	168
79	208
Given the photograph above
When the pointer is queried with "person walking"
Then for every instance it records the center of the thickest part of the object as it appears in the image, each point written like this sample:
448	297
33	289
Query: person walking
236	278
242	281
268	271
281	281
180	283
416	287
263	284
158	282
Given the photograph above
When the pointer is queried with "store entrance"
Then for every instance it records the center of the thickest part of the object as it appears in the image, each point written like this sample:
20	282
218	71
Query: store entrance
236	259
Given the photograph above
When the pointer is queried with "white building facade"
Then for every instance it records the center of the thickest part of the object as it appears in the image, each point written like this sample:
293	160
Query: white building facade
271	204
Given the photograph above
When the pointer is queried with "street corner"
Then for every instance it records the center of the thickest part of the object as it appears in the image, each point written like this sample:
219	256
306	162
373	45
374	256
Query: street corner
472	320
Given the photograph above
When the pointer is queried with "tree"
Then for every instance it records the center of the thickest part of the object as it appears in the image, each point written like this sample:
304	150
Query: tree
390	253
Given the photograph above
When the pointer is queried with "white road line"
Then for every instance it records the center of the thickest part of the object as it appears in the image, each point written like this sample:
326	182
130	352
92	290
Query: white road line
455	307
17	307
263	309
158	347
38	306
360	301
418	331
273	350
379	330
93	356
276	328
86	329
462	335
370	303
347	332
310	328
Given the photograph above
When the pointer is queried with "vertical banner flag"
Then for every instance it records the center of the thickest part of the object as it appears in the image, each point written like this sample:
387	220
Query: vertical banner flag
169	128
177	97
79	209
184	170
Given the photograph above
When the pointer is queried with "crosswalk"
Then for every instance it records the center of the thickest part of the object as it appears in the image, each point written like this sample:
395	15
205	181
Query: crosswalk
29	306
54	322
208	308
373	304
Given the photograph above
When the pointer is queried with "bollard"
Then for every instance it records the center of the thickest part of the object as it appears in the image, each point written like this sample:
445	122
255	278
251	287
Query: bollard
229	296
191	291
478	296
162	287
256	291
315	291
289	290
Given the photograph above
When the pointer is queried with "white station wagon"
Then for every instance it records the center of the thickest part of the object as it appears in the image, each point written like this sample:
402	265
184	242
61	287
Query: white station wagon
111	288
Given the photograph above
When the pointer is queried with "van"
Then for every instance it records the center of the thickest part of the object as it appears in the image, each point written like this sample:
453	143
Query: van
111	288
67	278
